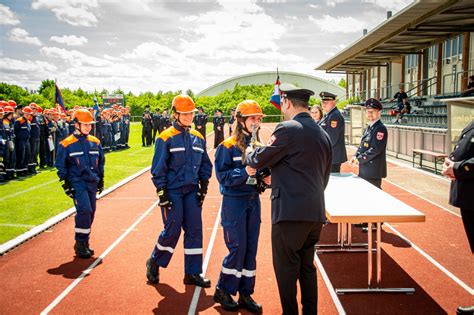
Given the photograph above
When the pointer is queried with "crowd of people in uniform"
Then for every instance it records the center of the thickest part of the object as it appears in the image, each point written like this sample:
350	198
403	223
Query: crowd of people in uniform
30	136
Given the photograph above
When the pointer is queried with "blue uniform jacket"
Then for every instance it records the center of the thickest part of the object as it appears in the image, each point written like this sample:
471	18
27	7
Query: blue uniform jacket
333	123
230	171
80	160
35	128
371	152
180	158
22	128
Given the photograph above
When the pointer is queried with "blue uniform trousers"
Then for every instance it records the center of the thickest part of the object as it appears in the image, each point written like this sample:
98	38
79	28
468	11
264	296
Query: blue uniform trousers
34	149
241	223
22	148
184	213
85	202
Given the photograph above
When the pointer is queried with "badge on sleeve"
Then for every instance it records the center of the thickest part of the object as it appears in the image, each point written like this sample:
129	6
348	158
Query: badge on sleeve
366	144
380	135
333	123
271	140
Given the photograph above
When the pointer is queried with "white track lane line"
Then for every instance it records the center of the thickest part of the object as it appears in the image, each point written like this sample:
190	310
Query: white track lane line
433	261
421	197
197	290
66	291
332	292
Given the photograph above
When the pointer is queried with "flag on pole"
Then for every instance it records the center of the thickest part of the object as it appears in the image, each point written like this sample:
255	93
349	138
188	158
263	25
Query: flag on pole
96	107
275	98
58	99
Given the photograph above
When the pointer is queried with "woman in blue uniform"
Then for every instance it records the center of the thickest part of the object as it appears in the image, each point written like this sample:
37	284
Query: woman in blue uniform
181	170
240	211
80	163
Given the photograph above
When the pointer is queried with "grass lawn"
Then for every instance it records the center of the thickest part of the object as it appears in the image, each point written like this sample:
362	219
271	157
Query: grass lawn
32	200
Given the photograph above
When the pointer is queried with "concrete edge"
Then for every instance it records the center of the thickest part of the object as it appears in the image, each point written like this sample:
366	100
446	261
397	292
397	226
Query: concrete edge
9	245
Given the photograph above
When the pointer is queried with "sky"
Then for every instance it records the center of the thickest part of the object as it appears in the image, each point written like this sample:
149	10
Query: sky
145	45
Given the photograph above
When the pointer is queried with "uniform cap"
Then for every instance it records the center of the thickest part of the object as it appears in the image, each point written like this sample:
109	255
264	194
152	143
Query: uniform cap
249	108
291	91
83	116
183	104
28	110
373	103
327	96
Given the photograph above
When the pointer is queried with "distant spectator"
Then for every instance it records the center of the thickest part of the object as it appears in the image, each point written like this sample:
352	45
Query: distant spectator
404	108
316	112
470	88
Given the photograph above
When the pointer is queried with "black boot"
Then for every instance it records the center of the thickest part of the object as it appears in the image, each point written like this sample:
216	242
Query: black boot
81	250
468	310
225	300
152	271
197	280
249	304
90	249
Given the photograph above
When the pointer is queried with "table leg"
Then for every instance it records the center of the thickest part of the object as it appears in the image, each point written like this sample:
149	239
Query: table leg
379	255
369	255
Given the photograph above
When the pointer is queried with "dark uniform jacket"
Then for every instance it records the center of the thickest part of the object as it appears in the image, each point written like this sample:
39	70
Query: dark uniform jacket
333	124
200	120
156	121
462	189
371	152
299	155
218	122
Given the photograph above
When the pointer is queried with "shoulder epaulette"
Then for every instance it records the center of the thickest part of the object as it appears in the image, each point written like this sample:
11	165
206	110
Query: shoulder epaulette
229	142
68	141
93	139
168	133
196	133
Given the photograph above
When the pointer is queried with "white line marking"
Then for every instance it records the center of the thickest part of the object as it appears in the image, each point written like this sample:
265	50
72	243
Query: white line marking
17	225
29	189
138	151
434	262
197	290
421	197
332	292
66	291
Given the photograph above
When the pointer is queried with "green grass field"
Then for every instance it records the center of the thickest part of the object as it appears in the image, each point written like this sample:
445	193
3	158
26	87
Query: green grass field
32	200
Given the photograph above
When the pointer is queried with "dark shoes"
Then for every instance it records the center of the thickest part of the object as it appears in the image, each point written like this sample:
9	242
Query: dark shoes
82	250
225	300
197	280
465	310
152	271
249	304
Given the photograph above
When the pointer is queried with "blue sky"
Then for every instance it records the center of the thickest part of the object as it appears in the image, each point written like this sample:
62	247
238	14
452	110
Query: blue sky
145	45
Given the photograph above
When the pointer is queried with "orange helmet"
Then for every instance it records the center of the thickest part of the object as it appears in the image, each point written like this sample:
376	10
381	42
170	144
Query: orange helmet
8	109
2	111
183	104
83	116
33	105
39	109
249	108
3	103
12	103
27	110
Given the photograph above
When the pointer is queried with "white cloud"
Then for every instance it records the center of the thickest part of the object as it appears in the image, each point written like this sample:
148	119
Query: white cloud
21	36
74	57
74	12
70	40
392	5
36	66
151	51
332	24
7	17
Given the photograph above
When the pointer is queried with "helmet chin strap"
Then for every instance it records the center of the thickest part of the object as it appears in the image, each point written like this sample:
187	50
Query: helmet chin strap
79	131
181	123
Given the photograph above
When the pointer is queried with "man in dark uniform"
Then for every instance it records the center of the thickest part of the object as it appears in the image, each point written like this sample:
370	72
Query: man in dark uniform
219	123
231	120
299	154
460	169
371	155
147	126
333	123
156	124
200	121
165	121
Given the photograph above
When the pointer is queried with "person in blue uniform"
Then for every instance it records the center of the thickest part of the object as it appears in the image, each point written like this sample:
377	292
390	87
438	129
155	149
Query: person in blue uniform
80	164
9	156
240	212
299	156
459	168
34	139
22	130
219	123
180	172
3	147
333	123
371	154
231	120
200	121
156	117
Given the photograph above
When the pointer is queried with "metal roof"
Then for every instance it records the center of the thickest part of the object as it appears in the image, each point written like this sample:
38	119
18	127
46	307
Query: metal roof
418	26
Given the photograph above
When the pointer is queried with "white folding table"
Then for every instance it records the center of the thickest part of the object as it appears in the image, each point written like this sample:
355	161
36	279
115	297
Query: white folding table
351	199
